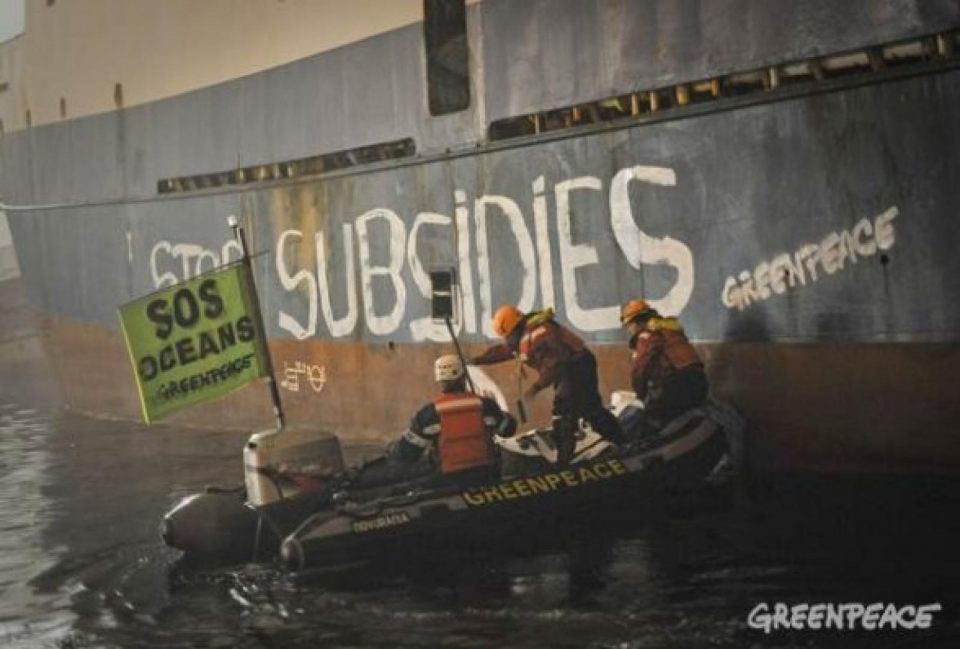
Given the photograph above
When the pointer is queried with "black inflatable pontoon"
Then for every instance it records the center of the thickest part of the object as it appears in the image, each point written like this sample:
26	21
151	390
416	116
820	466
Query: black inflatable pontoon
353	521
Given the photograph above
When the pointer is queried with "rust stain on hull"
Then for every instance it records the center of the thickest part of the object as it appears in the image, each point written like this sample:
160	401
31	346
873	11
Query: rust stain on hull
829	407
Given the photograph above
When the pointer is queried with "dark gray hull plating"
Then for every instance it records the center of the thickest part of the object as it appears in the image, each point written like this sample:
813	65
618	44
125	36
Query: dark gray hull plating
802	219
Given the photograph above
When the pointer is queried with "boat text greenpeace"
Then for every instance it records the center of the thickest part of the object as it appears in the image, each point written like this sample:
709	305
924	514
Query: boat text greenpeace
193	341
544	483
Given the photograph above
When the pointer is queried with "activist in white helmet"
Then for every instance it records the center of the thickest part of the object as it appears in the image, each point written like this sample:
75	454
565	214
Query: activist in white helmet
457	427
448	369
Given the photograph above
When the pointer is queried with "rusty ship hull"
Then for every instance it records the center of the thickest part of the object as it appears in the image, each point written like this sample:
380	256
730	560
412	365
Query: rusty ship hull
789	191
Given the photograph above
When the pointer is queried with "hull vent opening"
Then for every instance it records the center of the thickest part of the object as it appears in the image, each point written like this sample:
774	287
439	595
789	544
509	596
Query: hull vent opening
291	169
917	56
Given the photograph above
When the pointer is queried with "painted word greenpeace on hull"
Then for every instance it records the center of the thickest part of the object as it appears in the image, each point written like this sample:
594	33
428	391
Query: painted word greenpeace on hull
544	483
194	341
787	271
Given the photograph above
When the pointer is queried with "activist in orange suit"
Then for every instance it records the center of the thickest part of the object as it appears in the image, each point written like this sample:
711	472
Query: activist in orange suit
561	360
667	372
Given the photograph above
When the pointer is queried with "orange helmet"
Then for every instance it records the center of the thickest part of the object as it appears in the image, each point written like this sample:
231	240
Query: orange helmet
635	308
505	320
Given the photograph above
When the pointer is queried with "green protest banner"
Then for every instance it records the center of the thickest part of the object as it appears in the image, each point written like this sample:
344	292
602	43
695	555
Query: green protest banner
195	341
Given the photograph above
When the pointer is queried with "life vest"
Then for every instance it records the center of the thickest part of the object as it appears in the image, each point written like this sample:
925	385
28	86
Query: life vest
464	442
541	324
678	353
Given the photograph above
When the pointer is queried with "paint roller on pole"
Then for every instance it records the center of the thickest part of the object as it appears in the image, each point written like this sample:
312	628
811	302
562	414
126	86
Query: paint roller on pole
442	301
442	289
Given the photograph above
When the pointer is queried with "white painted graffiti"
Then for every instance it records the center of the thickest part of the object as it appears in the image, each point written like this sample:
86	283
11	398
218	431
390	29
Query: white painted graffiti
787	271
379	246
470	223
315	376
174	262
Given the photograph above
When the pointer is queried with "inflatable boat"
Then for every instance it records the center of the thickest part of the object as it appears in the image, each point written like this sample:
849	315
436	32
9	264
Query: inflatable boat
299	502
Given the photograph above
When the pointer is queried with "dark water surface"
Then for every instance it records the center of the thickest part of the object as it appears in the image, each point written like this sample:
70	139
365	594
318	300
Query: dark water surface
81	563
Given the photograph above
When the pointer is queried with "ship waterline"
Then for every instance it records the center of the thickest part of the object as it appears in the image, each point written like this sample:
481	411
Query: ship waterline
826	407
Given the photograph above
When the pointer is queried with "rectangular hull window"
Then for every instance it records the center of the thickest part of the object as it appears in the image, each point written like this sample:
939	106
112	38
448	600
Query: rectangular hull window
445	37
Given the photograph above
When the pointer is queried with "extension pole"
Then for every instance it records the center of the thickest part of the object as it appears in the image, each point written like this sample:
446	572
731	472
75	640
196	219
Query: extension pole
456	344
271	380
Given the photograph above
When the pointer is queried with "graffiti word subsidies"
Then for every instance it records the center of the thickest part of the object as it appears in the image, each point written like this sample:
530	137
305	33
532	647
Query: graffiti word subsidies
810	261
527	229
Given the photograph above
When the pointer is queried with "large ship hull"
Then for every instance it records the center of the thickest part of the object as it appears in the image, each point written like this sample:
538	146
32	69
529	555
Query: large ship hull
834	407
806	238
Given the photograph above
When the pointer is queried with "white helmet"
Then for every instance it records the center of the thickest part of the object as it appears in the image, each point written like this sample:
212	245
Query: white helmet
448	368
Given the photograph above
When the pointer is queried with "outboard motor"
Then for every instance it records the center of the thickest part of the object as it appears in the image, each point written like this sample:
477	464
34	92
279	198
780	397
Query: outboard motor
278	465
224	523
